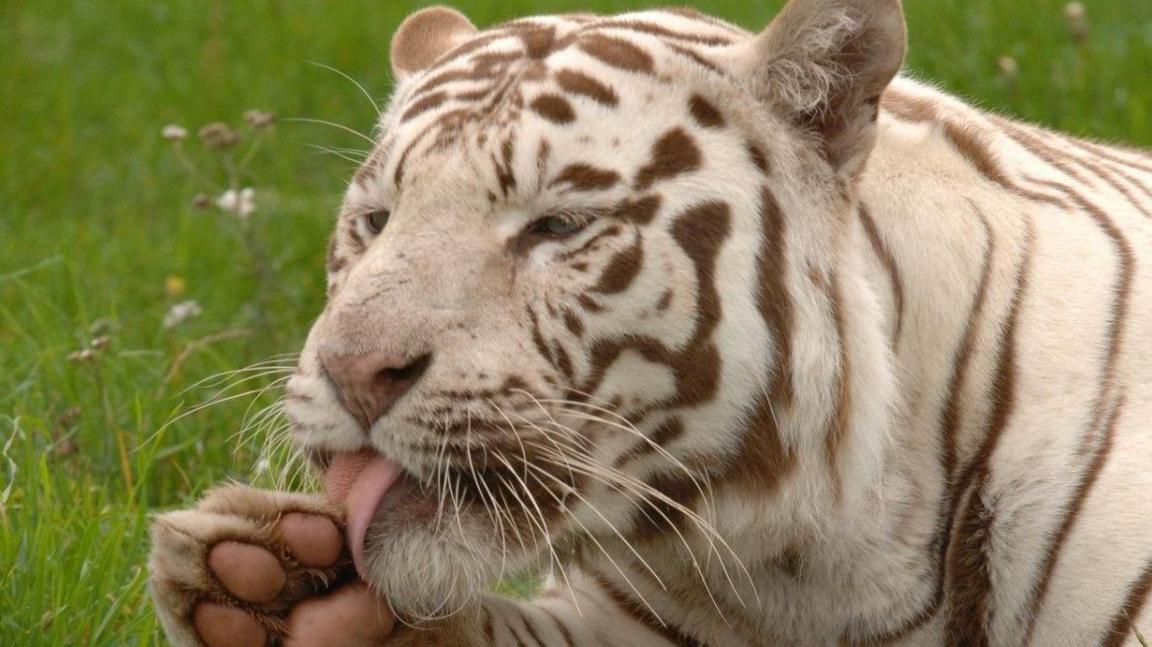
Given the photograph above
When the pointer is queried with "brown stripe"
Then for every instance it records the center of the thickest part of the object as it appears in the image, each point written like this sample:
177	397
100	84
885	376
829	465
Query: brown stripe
354	236
640	613
908	108
423	105
774	299
398	174
968	144
538	41
1059	159
697	57
504	173
617	53
1122	289
564	633
592	243
967	141
701	231
981	158
573	323
465	48
516	635
661	32
582	177
1071	514
949	423
440	79
1122	623
970	590
667	432
554	108
758	158
1109	153
574	82
705	114
761	463
889	262
528	625
489	632
1124	165
589	304
950	417
335	262
692	14
538	337
1037	147
621	270
838	424
673	154
563	362
641	211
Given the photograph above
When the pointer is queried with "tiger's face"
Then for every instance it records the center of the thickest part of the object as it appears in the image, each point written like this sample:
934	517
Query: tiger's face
548	288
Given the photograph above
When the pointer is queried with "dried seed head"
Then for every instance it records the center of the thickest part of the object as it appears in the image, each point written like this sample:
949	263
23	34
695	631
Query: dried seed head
1009	67
1077	16
219	136
259	119
65	447
103	326
83	356
201	201
100	343
174	132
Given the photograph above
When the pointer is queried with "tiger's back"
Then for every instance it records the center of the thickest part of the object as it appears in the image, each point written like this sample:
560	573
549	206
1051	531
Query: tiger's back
1018	260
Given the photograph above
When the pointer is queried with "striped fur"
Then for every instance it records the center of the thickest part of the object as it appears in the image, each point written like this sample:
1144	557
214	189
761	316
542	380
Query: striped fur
815	367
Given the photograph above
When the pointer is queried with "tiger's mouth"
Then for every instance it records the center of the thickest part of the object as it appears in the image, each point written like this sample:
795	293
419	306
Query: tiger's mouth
372	487
361	482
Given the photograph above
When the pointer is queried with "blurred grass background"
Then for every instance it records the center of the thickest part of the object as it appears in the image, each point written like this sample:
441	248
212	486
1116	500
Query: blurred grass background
98	237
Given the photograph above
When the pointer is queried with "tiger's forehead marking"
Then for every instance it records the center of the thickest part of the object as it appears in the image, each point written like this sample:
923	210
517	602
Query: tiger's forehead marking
476	94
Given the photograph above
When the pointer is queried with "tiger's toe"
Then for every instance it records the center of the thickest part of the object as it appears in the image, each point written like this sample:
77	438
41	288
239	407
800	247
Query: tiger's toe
224	626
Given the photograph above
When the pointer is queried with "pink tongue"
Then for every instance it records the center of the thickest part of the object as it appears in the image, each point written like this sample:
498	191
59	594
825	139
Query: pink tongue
359	481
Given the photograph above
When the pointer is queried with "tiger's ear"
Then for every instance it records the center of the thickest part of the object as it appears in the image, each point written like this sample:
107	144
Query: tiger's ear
824	64
425	36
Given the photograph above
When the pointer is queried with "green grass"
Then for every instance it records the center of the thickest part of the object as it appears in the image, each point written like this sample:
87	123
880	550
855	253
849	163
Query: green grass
94	216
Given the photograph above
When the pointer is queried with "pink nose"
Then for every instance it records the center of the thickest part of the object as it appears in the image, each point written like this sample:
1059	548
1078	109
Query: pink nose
370	384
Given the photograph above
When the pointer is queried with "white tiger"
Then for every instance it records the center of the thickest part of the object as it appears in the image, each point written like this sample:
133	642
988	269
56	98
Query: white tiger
743	339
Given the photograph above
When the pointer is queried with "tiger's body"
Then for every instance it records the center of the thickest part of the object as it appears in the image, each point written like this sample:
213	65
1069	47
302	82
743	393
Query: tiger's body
804	372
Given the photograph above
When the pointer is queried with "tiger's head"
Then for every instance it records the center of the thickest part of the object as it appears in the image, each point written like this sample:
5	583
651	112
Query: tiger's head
566	290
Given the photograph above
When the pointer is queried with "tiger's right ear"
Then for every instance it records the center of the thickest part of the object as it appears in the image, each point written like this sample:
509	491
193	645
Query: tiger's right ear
824	65
425	36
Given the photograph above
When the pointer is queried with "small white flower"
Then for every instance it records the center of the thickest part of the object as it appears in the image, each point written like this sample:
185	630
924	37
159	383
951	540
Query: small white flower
242	203
1075	11
174	132
181	312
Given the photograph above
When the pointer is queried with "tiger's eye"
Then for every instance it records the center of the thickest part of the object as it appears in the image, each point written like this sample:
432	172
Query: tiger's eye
377	220
556	227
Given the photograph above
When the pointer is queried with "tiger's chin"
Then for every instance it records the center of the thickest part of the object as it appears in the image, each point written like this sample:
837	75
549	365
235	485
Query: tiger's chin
429	561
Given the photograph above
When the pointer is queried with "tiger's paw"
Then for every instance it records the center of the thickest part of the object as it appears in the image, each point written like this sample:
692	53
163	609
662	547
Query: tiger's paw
248	568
